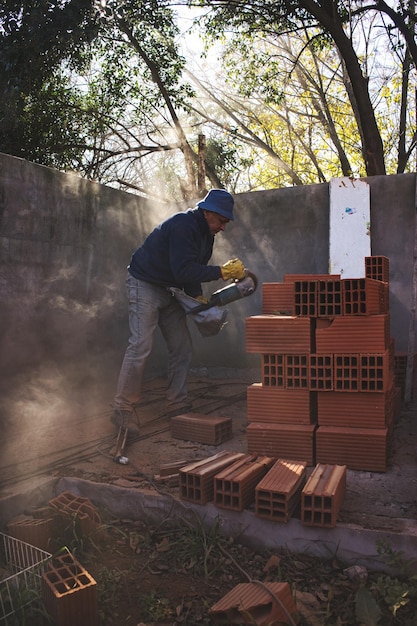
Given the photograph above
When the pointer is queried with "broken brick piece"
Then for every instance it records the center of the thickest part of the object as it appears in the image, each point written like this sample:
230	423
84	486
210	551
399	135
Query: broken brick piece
323	495
260	604
171	469
68	505
197	479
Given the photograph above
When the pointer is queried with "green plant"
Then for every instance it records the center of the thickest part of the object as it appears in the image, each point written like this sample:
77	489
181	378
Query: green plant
68	535
24	600
196	547
155	608
395	591
72	536
395	559
367	610
109	582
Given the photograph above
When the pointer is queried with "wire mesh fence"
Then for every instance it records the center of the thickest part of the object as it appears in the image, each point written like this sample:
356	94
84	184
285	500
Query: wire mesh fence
21	569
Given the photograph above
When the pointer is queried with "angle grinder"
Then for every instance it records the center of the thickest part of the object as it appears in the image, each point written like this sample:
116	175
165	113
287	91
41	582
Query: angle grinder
238	289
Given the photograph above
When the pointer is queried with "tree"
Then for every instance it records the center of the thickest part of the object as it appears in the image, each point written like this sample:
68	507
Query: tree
37	37
101	88
104	88
335	21
284	102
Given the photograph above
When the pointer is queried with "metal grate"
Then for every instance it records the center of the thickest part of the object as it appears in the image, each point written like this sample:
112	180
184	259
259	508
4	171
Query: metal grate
26	564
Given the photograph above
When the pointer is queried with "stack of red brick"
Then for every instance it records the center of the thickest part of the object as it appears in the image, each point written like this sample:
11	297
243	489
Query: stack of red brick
327	393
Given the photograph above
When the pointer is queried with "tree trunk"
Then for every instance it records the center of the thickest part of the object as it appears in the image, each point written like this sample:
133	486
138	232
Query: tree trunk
372	148
201	165
402	152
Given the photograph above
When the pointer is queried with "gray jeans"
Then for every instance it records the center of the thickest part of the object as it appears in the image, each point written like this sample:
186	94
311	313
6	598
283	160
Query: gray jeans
150	306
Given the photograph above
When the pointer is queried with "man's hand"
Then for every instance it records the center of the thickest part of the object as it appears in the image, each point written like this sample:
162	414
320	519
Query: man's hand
202	299
233	269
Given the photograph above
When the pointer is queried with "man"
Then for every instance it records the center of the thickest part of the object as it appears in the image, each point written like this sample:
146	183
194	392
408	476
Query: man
175	254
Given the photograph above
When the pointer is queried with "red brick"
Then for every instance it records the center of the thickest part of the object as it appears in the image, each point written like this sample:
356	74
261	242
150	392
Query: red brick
346	372
278	494
278	406
297	371
363	449
377	267
321	372
290	278
274	334
273	370
285	441
363	372
364	296
329	298
79	509
208	429
69	593
323	495
234	487
354	410
278	298
306	297
376	372
37	532
353	334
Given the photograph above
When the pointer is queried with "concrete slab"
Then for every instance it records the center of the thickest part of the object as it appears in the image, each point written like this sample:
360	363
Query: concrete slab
29	496
348	542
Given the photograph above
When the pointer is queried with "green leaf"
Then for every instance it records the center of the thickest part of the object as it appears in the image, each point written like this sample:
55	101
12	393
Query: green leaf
367	610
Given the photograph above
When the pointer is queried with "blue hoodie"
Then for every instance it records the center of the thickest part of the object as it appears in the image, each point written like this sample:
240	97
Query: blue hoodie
176	253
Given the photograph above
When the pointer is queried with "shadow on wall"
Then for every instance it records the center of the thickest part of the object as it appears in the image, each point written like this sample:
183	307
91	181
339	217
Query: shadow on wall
52	362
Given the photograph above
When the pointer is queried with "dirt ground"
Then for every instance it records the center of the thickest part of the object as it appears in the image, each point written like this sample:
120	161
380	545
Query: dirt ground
80	443
373	499
173	574
151	576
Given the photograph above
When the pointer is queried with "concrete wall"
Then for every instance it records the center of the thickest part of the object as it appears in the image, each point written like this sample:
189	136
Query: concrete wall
65	243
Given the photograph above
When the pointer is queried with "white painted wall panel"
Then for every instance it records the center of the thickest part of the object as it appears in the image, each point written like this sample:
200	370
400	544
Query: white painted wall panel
350	222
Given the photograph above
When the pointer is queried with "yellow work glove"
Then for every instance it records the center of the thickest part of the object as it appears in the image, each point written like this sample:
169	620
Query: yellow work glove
233	269
202	299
